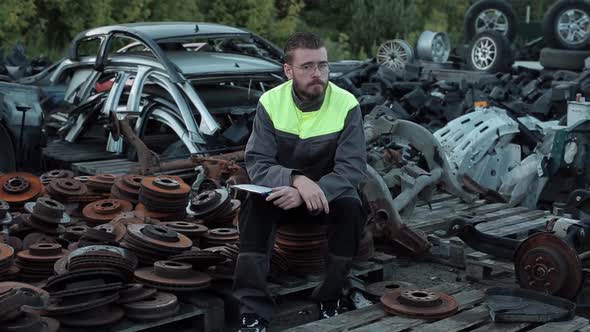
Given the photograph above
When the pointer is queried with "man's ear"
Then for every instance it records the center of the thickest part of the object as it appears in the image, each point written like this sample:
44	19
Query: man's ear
288	71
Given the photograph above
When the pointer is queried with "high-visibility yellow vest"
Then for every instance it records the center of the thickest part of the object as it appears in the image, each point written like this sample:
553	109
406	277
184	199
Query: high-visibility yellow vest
287	117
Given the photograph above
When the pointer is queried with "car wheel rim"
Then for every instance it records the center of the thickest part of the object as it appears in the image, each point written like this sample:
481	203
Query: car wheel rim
484	53
491	20
395	54
573	27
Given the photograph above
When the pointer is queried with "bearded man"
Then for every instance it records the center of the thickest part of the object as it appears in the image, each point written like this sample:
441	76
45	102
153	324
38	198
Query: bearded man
308	145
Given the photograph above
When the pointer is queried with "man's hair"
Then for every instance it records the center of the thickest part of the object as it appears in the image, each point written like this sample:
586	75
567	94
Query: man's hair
307	40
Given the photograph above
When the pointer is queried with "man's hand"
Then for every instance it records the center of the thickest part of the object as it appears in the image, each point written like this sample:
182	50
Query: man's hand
285	198
312	194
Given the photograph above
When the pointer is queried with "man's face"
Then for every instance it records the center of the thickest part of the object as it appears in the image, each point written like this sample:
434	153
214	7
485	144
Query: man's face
309	72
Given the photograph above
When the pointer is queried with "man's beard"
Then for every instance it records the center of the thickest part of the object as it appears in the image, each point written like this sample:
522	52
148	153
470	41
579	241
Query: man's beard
304	92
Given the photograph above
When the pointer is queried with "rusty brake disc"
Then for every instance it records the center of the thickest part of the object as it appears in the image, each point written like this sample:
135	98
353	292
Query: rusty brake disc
33	238
43	252
419	303
18	188
48	210
545	263
165	186
172	276
75	304
62	189
156	307
101	182
142	212
41	226
6	252
201	259
105	315
134	293
191	230
105	210
55	174
29	322
128	218
127	187
160	237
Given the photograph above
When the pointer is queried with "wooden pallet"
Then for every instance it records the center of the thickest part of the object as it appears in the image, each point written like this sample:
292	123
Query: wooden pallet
472	316
379	268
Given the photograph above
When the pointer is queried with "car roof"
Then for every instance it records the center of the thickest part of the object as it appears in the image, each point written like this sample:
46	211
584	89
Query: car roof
159	31
193	64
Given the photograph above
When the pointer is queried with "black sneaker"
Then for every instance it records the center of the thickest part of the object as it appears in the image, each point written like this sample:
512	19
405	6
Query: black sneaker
252	323
329	309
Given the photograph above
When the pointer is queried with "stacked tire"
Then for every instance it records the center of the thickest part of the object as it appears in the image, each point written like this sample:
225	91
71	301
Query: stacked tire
489	26
566	31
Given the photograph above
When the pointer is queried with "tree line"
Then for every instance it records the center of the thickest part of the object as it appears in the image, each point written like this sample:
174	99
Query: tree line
353	29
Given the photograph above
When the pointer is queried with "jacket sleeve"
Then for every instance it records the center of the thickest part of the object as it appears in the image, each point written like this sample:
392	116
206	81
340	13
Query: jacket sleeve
261	151
350	160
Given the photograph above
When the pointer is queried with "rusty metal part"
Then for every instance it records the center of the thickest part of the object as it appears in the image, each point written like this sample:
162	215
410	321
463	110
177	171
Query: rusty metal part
378	289
47	177
105	210
498	246
487	194
73	233
209	203
6	252
12	301
41	226
303	246
127	187
101	183
419	303
42	252
48	210
168	194
88	286
191	230
172	276
201	259
61	282
219	237
160	238
63	189
129	218
383	212
105	315
148	160
366	248
19	188
157	307
134	293
546	263
76	304
12	241
98	235
7	285
29	322
143	213
33	238
117	229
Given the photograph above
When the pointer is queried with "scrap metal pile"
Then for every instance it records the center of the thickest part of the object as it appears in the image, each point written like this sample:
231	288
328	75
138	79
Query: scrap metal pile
107	247
93	247
491	131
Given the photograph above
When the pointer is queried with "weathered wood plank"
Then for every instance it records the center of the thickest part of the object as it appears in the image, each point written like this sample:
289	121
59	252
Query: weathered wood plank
511	220
436	198
501	327
456	322
568	326
522	227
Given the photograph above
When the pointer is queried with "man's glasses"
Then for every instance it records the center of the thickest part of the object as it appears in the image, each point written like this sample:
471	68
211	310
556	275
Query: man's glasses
311	67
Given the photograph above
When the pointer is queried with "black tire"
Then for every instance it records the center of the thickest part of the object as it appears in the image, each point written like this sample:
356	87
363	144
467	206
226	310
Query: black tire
7	157
501	61
470	18
551	18
563	59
